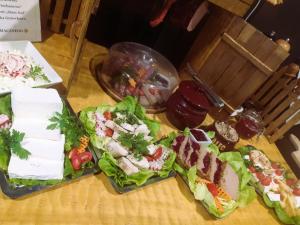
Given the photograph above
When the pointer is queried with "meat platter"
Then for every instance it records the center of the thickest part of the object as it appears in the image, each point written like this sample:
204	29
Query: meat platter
42	143
218	180
127	145
279	188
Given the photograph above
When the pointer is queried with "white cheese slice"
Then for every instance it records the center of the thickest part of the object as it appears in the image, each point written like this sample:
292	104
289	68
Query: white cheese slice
152	149
273	196
35	168
297	201
45	149
35	102
35	128
142	129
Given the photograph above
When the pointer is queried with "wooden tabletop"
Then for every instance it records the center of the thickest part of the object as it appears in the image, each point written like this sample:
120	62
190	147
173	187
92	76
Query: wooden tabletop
92	200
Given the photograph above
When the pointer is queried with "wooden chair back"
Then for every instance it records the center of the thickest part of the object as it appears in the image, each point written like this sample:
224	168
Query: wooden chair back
278	99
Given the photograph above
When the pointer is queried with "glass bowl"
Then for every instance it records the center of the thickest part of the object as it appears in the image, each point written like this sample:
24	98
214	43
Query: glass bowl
137	70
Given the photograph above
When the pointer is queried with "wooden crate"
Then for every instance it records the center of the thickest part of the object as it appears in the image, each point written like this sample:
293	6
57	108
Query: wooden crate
237	61
237	7
278	99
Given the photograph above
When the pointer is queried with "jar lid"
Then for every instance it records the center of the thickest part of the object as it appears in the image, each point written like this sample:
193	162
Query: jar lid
194	94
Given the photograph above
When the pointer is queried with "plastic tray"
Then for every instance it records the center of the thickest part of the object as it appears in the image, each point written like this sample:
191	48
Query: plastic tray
14	192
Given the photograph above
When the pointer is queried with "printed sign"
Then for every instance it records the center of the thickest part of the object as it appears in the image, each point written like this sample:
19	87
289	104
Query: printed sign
20	20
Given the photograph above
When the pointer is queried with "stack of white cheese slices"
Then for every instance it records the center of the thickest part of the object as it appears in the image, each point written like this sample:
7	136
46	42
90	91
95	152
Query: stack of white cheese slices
32	108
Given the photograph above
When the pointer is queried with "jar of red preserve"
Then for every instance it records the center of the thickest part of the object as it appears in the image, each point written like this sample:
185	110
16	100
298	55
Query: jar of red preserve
249	124
188	106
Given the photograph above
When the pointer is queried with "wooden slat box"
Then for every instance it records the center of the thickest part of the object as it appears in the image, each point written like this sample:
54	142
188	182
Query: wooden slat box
240	61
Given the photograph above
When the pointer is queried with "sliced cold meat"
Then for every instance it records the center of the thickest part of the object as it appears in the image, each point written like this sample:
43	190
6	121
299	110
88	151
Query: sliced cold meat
142	163
230	182
116	149
127	166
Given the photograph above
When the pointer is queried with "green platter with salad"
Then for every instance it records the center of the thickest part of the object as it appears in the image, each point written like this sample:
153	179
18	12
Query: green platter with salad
75	139
127	146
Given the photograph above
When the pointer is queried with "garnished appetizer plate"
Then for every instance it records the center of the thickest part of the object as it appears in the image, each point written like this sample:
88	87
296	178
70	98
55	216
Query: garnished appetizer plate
280	190
42	143
218	180
127	146
22	65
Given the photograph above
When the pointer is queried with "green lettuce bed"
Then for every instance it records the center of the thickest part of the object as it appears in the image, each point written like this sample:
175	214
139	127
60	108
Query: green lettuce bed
107	163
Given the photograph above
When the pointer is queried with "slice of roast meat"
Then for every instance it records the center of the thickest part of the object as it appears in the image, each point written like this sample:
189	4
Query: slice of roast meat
177	143
230	181
217	175
213	167
200	162
206	163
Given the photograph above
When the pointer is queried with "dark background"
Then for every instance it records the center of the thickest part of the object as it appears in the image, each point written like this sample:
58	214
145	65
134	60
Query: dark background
128	20
284	19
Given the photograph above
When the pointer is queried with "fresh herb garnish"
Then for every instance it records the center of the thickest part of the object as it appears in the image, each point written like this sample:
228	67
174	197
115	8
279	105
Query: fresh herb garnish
36	72
136	143
16	138
129	118
4	148
69	126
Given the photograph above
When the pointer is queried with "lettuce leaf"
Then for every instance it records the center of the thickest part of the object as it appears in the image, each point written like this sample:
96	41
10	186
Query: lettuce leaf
202	194
214	149
108	164
167	142
30	182
235	160
4	149
5	105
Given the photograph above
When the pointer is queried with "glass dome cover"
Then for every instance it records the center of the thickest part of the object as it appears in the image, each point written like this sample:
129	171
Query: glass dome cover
137	70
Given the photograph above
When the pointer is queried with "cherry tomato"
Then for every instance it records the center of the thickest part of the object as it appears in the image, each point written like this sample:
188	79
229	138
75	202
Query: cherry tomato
149	158
107	115
291	182
85	157
212	189
296	191
260	175
109	132
278	172
275	165
73	152
76	163
252	169
266	181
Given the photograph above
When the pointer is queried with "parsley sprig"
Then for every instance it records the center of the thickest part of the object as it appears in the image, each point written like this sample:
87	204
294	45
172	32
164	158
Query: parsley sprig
15	140
36	72
136	143
69	126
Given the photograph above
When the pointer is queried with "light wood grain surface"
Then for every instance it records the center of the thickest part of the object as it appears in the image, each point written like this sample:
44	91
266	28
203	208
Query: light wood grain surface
92	200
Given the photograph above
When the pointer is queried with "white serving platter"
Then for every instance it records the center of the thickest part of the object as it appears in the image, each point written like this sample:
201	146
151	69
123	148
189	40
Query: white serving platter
26	48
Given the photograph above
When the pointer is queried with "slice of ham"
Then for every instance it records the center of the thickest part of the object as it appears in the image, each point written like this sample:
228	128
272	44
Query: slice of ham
4	122
230	182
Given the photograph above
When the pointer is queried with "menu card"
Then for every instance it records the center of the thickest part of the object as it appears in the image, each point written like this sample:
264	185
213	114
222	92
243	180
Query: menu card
20	20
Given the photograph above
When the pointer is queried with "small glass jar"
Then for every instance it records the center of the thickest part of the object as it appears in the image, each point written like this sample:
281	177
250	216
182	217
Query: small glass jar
249	124
226	137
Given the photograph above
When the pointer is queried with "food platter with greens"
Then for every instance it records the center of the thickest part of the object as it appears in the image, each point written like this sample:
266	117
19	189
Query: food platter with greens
42	143
127	144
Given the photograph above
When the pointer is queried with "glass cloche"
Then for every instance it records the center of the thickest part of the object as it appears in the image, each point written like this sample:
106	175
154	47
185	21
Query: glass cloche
137	70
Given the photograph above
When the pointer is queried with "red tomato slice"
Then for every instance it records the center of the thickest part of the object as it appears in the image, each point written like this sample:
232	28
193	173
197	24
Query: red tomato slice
252	169
158	153
149	158
73	152
212	189
109	132
291	182
107	115
296	191
275	165
266	181
85	157
76	163
278	172
260	175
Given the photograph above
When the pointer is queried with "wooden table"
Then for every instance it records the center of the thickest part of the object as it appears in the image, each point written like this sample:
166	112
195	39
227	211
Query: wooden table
92	200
